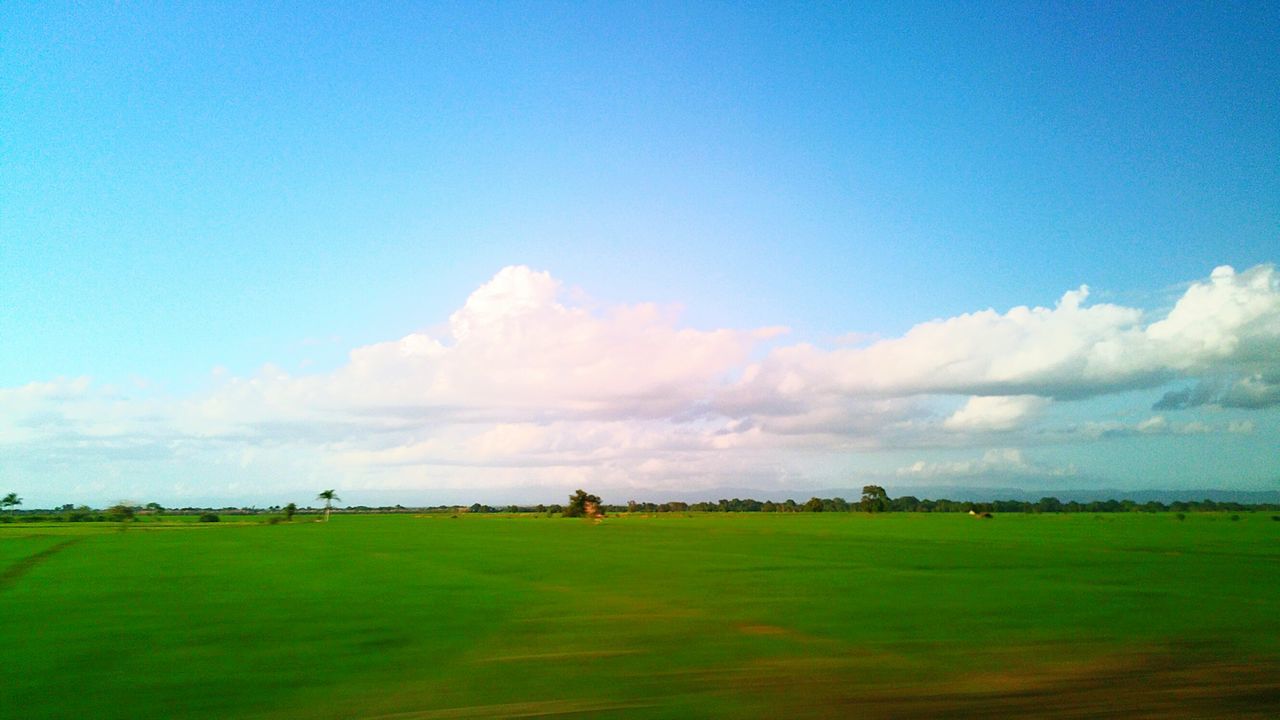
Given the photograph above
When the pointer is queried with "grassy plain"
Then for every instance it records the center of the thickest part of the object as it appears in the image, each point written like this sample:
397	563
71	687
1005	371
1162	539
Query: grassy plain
719	615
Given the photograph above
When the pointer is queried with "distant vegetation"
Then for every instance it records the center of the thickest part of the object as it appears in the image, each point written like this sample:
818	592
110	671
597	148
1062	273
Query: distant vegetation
874	500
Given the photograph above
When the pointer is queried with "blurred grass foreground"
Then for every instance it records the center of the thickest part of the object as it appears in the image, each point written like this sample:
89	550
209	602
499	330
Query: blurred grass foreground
639	616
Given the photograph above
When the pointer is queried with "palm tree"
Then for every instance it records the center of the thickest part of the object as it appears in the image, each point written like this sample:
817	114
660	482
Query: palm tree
328	496
10	501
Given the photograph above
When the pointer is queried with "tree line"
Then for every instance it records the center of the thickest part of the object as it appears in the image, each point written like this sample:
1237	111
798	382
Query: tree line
874	499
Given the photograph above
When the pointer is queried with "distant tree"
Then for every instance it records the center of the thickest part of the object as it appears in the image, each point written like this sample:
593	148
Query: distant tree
906	503
11	501
289	511
874	499
813	505
578	503
1049	505
155	507
121	512
209	517
329	497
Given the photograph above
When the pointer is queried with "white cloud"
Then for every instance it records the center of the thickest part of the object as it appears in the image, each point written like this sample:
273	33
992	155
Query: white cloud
999	462
1229	324
1155	423
515	351
995	413
524	386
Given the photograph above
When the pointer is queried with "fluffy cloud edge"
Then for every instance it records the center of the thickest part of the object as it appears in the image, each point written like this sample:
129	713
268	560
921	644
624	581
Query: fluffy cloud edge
524	381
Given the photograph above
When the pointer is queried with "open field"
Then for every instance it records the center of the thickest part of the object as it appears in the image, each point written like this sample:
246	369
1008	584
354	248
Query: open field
719	615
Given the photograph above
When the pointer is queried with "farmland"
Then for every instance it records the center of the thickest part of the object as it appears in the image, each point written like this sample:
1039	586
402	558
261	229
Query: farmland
717	615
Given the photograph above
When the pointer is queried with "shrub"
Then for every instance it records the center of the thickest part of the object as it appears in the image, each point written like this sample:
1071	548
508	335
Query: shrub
209	517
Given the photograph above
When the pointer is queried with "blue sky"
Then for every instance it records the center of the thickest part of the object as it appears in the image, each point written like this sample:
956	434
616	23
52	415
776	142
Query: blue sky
192	193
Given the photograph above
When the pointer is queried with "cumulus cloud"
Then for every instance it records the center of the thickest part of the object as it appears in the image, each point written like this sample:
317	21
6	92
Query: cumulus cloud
523	385
995	412
515	351
1229	324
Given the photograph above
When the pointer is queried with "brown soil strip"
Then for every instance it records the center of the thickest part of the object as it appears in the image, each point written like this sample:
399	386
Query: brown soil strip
568	655
543	708
23	566
1152	684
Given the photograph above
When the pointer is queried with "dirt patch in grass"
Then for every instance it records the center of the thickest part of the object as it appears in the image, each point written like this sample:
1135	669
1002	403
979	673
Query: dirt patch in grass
566	655
15	571
1167	683
541	708
762	630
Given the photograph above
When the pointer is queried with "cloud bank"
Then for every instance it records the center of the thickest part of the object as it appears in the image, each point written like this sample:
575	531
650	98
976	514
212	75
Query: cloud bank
527	388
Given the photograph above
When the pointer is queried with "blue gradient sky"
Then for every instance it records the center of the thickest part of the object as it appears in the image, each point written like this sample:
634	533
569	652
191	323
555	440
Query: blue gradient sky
224	186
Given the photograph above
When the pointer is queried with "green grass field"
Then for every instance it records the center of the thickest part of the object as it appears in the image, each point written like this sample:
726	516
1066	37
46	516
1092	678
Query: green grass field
721	615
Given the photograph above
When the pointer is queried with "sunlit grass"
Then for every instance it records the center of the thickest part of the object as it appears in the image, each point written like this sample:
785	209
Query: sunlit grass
724	615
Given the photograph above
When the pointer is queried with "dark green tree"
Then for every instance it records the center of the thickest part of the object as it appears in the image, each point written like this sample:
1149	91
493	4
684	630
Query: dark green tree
578	504
874	499
11	501
289	511
1049	505
906	503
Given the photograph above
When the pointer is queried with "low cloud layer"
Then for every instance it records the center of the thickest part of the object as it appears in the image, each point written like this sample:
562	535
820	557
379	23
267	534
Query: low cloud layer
525	387
1001	463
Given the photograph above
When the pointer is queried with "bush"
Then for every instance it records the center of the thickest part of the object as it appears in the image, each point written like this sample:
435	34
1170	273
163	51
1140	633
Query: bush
209	517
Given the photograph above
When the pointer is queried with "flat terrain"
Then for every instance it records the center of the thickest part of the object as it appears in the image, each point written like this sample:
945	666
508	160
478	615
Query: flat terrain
720	615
